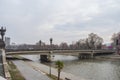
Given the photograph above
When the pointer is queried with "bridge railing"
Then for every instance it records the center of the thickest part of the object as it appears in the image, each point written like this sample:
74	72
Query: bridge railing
13	50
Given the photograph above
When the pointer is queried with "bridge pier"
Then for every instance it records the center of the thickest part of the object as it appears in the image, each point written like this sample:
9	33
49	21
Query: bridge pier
44	58
84	56
92	54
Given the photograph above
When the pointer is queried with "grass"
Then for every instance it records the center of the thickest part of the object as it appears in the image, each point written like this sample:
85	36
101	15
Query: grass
18	57
14	72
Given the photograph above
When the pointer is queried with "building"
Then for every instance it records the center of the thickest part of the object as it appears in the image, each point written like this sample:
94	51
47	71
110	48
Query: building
7	41
118	44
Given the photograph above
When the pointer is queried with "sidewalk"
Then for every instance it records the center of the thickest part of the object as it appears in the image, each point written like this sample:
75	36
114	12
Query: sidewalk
45	69
28	72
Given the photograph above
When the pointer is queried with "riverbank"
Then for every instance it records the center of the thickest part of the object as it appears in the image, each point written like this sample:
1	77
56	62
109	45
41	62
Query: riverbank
21	71
35	71
38	67
45	69
109	57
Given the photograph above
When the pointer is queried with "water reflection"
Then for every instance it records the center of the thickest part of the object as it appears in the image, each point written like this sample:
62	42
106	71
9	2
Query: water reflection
89	69
64	58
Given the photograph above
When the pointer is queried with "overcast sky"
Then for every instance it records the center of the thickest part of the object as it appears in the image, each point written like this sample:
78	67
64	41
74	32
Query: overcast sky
28	21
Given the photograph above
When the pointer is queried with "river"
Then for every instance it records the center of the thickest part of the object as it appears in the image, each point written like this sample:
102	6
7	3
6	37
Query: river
90	69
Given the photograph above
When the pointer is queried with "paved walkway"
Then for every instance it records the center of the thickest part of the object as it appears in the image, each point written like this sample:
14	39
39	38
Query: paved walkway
45	69
28	72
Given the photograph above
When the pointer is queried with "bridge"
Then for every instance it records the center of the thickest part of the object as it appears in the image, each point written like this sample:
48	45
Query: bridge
80	53
60	52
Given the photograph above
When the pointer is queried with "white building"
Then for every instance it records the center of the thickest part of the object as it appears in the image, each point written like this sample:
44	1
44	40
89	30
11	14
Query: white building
7	41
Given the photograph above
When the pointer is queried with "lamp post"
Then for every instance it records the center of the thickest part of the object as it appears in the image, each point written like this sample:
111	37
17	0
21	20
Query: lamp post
50	53
51	42
40	43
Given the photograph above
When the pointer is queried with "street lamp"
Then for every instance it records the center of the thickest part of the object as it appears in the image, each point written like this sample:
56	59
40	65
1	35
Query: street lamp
2	32
50	53
51	42
40	43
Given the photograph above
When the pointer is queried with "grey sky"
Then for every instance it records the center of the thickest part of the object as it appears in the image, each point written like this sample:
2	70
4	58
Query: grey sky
28	21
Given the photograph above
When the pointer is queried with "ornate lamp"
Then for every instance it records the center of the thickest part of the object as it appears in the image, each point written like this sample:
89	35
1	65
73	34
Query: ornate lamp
2	32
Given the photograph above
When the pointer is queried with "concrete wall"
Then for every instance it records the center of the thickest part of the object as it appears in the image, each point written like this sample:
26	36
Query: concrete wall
5	65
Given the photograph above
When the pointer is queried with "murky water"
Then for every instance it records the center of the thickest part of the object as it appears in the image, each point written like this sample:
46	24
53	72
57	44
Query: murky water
88	69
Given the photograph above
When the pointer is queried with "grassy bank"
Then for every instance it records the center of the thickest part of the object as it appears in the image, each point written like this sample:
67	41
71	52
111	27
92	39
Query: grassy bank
16	57
14	72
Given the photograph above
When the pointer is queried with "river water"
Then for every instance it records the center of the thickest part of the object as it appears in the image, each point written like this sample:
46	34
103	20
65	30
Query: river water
90	69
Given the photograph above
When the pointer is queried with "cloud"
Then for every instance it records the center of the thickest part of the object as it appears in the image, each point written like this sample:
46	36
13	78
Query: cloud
28	21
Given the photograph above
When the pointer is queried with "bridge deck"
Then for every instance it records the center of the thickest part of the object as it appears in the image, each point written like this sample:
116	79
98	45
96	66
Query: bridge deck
61	52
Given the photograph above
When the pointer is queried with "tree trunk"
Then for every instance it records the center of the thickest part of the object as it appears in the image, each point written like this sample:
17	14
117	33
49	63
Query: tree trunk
58	74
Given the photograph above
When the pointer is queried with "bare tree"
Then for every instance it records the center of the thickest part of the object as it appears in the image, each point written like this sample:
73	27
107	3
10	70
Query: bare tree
114	39
63	45
93	41
81	44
